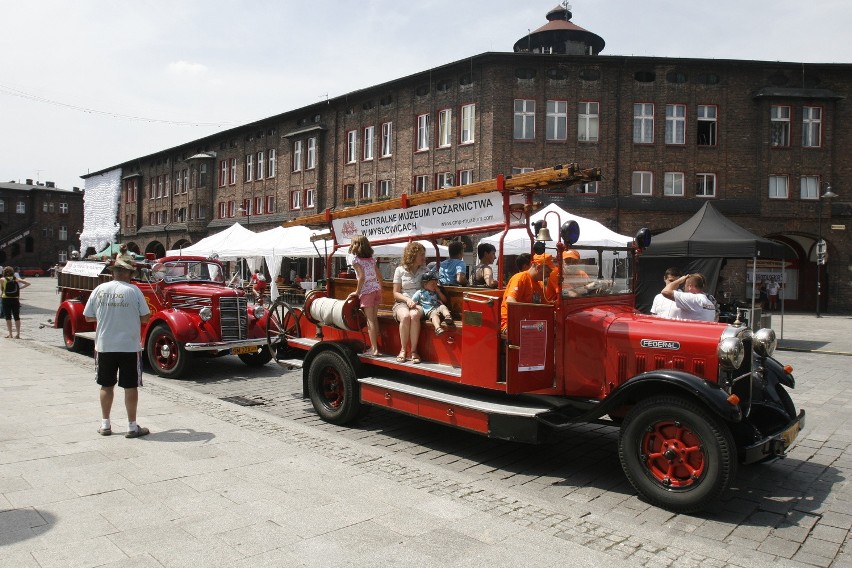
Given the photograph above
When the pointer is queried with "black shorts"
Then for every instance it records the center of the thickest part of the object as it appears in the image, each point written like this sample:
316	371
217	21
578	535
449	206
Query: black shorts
128	367
12	308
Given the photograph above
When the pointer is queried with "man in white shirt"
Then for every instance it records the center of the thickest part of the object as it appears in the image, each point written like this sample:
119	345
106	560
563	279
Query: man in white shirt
693	303
120	308
662	306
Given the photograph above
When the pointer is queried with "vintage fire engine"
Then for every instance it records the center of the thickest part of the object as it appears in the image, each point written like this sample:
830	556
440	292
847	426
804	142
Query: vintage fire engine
193	312
691	399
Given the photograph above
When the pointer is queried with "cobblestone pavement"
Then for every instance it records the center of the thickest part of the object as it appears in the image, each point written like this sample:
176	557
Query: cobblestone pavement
797	511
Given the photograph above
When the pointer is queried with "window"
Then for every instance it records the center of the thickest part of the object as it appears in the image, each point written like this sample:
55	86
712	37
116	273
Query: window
779	128
706	115
159	186
258	206
232	208
223	174
297	156
468	123
310	195
249	167
232	173
368	142
810	187
423	132
349	192
63	208
643	123
673	184
296	199
2	205
524	119
465	177
556	127
63	233
588	187
351	146
63	256
675	124
367	190
811	127
421	184
21	207
260	163
152	188
705	185
385	186
312	153
202	177
186	178
445	119
222	209
387	139
270	170
178	184
521	170
778	187
246	208
165	217
587	121
642	183
444	179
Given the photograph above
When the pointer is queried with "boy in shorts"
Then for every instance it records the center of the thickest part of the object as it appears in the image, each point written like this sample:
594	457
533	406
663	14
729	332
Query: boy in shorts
431	299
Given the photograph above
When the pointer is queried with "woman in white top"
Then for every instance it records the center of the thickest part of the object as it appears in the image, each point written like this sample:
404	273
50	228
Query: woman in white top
406	281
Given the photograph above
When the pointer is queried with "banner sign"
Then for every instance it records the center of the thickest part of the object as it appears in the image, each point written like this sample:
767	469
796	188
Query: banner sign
468	212
15	239
83	268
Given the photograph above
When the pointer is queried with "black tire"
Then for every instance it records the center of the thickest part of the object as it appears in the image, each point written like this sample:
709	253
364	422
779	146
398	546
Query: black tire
282	323
333	388
72	342
698	465
167	357
258	359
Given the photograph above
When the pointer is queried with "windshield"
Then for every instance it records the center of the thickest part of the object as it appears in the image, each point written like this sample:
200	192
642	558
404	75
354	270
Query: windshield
596	272
188	271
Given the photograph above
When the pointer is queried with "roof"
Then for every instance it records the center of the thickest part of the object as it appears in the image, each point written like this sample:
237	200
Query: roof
15	186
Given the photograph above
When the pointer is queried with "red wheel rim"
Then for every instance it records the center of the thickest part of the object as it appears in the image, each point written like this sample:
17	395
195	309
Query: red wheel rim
673	455
331	387
165	352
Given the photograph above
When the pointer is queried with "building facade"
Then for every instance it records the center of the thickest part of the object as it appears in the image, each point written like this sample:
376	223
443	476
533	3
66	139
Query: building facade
762	140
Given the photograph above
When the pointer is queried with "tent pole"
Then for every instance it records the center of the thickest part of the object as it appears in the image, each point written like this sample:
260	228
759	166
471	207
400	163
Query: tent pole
781	291
753	288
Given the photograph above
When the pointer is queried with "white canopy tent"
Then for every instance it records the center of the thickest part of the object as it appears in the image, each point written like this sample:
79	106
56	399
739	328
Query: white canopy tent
215	244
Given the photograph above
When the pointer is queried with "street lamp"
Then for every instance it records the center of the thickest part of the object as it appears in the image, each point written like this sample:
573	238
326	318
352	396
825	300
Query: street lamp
247	211
821	248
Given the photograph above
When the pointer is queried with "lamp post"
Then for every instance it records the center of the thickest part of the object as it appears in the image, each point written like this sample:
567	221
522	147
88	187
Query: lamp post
821	247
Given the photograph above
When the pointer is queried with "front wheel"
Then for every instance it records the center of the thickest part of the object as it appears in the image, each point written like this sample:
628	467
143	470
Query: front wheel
166	356
259	359
282	324
333	388
676	454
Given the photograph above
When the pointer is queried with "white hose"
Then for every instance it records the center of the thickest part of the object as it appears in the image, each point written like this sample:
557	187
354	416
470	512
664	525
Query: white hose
328	311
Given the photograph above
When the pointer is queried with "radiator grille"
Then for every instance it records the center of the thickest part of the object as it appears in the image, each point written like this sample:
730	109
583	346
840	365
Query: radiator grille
233	315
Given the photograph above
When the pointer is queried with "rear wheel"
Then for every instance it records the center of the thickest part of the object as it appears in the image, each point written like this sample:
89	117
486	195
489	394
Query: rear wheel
333	388
676	454
166	356
282	324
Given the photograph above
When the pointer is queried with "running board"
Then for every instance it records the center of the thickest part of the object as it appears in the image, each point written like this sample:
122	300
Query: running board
90	335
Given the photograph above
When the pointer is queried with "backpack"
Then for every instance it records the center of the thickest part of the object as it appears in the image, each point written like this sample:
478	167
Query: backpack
11	288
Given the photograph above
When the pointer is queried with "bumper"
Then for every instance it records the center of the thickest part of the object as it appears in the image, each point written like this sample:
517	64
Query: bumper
223	345
775	445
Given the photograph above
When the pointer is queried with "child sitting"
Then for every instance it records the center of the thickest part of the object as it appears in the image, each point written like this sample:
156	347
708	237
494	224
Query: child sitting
431	299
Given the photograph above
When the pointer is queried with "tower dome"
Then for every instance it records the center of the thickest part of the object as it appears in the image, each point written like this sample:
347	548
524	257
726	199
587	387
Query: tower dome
560	35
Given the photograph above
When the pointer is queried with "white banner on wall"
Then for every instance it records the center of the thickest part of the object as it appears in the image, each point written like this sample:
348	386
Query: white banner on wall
483	210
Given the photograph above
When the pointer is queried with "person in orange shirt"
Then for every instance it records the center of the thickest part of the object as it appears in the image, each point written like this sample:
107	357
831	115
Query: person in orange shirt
524	286
551	286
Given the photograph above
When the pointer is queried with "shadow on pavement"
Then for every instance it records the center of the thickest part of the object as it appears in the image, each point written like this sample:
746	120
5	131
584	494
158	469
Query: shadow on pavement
180	435
23	524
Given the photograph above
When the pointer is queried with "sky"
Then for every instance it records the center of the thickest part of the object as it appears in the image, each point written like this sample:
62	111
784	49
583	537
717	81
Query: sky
88	84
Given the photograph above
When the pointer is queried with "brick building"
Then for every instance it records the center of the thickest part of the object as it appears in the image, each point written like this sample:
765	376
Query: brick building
762	140
39	223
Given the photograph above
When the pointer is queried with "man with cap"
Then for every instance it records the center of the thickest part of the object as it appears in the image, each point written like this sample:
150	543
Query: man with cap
524	286
119	308
551	275
575	280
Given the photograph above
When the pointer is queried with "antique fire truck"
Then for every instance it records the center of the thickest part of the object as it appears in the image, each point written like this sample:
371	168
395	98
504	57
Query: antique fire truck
691	399
193	312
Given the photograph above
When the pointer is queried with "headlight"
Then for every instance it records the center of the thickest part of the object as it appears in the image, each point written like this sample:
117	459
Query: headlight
205	313
259	312
731	352
765	342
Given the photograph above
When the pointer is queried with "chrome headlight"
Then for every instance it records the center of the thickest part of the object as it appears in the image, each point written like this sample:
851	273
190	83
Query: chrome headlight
259	312
765	342
731	352
205	313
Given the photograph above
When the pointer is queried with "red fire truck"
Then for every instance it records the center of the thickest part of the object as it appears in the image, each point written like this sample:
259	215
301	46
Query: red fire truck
691	399
193	312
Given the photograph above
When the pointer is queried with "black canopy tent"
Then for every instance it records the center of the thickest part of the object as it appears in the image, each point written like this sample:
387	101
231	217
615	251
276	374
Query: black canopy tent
700	244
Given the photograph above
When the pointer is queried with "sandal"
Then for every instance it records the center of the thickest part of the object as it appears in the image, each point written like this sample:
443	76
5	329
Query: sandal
401	357
450	322
138	433
105	431
415	358
439	330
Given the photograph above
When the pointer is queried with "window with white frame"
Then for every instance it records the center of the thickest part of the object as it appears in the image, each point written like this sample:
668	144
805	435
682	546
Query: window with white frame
270	170
311	159
705	185
387	139
296	199
152	188
385	187
444	179
421	184
369	132
310	195
249	167
643	123
675	124
706	115
810	187
588	187
258	206
642	183
270	204
223	209
588	121
351	146
232	208
21	207
778	188
297	156
63	233
517	170
423	132
465	177
232	173
202	177
468	123
179	182
159	186
223	174
63	256
779	126
524	128
186	177
811	127
673	184
366	190
63	208
201	211
261	162
445	119
556	126
349	192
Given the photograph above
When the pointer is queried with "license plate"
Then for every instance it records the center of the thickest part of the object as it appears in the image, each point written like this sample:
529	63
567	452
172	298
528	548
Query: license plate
790	434
250	349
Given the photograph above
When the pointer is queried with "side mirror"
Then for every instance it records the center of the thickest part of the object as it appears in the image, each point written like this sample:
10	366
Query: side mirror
643	238
569	232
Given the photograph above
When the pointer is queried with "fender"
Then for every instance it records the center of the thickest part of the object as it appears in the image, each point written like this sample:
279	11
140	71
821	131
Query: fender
73	309
347	348
669	380
184	326
775	370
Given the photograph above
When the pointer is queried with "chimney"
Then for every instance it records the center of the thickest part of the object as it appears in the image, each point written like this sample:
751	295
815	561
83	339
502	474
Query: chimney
50	184
77	189
29	181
